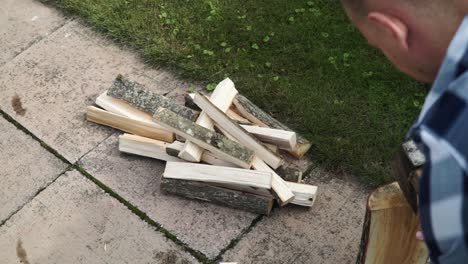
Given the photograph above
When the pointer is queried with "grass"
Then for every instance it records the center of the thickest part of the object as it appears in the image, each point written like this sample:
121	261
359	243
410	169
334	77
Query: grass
302	61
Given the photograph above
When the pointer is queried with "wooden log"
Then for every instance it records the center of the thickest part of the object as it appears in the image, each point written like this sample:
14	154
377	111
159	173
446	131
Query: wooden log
145	147
245	113
257	116
123	108
281	138
217	174
282	191
218	195
279	186
238	132
304	194
136	95
389	230
271	147
222	98
174	149
257	191
230	112
238	118
218	144
188	99
290	173
126	124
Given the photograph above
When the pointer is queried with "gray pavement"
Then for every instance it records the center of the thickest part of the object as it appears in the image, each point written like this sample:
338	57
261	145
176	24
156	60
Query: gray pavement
51	68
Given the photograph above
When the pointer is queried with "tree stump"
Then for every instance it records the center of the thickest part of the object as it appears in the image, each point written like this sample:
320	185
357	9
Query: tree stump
389	230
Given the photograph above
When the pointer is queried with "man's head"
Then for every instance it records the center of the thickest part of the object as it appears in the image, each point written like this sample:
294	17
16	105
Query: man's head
413	34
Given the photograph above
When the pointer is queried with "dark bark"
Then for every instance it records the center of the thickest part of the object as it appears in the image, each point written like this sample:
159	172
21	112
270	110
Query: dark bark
185	128
303	145
218	195
136	95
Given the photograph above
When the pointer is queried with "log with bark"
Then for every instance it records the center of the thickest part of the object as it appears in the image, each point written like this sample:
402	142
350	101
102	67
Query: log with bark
219	195
218	144
230	112
222	98
138	96
279	186
145	129
259	117
207	157
281	138
240	134
389	230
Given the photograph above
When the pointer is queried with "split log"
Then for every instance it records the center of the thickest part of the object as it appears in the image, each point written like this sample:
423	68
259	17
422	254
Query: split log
174	149
218	144
271	147
222	98
290	173
304	194
218	195
259	117
238	118
145	147
282	191
389	230
252	190
279	186
136	95
237	132
217	174
281	138
145	129
122	108
230	112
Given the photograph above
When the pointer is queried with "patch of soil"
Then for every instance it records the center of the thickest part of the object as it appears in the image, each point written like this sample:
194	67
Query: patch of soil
17	105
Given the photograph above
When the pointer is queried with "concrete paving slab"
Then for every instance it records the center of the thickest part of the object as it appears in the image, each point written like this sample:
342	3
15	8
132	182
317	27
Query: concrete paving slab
73	221
328	233
47	87
26	168
203	226
22	23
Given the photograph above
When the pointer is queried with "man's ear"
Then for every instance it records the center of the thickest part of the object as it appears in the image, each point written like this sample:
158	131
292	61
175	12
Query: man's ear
398	29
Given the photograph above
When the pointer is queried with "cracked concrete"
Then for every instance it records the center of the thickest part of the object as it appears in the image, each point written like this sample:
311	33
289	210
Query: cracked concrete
51	68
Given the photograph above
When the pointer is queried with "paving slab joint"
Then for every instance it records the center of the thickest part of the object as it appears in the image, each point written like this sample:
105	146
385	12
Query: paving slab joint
39	39
197	254
143	216
42	143
236	240
69	168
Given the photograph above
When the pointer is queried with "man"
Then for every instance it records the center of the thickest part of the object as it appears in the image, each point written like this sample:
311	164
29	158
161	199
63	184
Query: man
428	40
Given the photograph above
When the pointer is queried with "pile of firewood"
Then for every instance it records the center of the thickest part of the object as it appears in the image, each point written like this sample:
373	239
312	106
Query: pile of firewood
237	142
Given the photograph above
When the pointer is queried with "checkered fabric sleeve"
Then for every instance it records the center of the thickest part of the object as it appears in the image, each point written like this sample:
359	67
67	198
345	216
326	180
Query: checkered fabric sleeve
442	132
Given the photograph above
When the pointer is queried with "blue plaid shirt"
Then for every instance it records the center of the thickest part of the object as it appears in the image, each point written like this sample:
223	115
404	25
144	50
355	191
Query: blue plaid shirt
442	132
